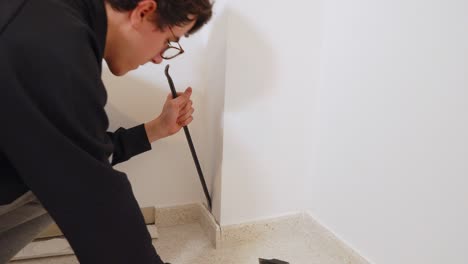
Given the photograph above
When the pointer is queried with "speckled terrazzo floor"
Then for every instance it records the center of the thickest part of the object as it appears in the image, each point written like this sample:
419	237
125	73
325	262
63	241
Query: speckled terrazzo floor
184	244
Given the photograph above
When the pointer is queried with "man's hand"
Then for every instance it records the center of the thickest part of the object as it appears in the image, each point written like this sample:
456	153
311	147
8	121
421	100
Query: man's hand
176	114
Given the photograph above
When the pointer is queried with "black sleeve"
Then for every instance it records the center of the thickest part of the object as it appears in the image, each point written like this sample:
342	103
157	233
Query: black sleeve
53	131
128	143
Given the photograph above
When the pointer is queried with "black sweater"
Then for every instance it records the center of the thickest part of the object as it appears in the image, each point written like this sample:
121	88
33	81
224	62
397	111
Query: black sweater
53	137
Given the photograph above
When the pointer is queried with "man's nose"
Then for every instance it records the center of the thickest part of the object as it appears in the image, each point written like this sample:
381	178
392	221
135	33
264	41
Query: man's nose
157	59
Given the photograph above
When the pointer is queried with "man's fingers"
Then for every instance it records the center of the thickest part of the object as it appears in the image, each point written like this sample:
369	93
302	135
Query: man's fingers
186	115
187	91
186	107
186	121
184	97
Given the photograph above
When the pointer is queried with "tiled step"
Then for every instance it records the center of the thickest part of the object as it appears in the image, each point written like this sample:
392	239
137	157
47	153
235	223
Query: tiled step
57	246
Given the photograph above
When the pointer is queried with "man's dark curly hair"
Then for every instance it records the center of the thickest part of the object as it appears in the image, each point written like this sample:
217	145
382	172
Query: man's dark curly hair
173	12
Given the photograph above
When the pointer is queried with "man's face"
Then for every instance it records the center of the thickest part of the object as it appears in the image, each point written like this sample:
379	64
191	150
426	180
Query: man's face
133	38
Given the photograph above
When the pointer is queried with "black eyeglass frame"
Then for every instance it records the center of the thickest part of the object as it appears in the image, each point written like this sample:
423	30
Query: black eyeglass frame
175	46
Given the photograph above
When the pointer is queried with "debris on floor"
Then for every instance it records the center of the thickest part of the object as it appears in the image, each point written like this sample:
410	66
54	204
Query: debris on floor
272	261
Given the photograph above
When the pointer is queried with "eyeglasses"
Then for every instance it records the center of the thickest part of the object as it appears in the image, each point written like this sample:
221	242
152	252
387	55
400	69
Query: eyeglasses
173	48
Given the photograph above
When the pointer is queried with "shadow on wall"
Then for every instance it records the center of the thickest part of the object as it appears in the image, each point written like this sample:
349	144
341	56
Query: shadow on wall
131	101
251	66
213	70
237	72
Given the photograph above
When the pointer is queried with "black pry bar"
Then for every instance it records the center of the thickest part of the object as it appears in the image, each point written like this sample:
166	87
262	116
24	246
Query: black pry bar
190	142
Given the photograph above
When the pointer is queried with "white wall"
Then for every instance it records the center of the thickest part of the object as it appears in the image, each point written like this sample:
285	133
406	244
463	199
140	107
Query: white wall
393	125
214	73
353	110
377	149
271	70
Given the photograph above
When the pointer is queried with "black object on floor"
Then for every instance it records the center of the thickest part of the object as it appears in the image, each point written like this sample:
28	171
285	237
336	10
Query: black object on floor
189	139
272	261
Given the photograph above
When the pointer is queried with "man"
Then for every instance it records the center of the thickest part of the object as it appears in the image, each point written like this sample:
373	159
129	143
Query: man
54	148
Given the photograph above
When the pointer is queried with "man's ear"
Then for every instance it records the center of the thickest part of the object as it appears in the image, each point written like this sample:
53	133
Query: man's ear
145	10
